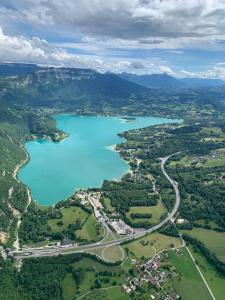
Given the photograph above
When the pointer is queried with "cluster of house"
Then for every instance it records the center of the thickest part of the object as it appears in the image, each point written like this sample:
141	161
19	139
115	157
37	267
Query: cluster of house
153	274
213	155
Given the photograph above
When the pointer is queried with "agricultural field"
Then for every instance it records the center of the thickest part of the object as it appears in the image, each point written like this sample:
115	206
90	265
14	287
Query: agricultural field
213	240
69	216
214	280
190	286
151	244
156	212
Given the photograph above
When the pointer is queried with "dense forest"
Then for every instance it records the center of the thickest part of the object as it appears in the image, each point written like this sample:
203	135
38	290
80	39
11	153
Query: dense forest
42	278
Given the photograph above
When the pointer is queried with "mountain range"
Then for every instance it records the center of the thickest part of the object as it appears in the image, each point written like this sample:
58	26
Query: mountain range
73	89
165	81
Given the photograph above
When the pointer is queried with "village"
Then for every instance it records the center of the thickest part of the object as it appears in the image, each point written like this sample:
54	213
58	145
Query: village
154	273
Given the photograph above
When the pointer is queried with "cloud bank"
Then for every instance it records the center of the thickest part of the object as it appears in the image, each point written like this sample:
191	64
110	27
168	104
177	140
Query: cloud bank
113	35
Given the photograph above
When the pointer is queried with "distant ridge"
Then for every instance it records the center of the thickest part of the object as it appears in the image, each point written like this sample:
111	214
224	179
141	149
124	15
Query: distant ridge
153	81
165	81
13	69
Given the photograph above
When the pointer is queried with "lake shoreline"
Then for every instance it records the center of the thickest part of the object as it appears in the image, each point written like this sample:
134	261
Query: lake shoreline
131	124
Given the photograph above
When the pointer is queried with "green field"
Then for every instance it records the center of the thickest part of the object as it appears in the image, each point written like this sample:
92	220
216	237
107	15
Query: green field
157	211
150	244
216	162
91	269
69	287
213	240
190	286
107	203
98	266
214	280
70	216
89	230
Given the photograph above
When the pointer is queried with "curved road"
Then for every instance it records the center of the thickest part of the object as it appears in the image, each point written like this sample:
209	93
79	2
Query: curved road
39	252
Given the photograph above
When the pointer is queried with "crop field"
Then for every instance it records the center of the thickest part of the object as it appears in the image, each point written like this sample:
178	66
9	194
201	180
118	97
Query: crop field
150	244
156	211
190	286
213	240
70	216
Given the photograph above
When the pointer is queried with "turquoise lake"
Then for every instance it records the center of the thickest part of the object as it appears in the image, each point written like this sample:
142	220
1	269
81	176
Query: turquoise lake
83	160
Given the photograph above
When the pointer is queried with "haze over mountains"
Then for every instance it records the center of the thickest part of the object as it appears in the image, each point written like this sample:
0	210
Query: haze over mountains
73	88
153	81
159	81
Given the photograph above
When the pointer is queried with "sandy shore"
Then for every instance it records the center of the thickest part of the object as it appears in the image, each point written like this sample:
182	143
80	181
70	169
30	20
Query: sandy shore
111	148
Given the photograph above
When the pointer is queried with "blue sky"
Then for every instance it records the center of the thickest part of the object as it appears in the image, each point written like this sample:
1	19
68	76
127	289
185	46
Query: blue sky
184	38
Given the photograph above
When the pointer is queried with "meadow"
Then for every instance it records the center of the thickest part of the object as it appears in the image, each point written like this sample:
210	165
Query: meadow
190	286
213	240
151	244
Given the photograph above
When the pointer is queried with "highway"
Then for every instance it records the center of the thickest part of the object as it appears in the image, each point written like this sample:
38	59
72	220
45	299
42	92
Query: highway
57	250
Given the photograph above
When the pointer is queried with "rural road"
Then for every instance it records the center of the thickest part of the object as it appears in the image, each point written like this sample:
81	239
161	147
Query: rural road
56	250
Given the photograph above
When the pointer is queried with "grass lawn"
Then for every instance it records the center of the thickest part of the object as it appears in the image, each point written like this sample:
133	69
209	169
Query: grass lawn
112	253
89	230
150	244
214	280
70	216
157	211
213	240
191	285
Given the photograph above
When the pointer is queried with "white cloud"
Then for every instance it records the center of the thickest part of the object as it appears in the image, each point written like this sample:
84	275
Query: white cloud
167	70
213	73
35	50
159	23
